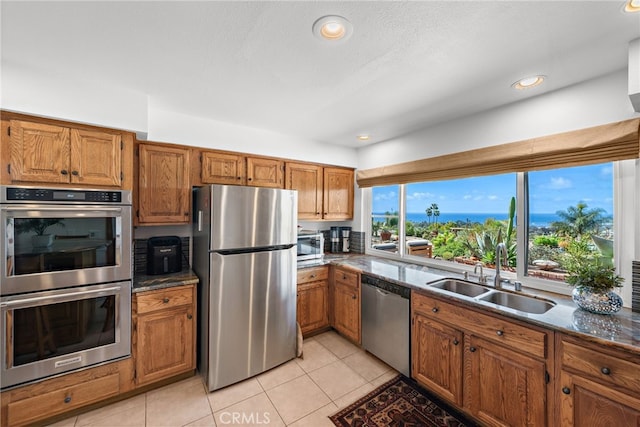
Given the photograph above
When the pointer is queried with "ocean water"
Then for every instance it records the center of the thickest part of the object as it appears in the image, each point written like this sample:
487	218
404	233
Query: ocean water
536	219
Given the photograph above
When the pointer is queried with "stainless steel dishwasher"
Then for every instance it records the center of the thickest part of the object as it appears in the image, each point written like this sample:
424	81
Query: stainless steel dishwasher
386	322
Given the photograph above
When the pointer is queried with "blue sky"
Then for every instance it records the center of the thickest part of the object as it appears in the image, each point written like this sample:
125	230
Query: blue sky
550	191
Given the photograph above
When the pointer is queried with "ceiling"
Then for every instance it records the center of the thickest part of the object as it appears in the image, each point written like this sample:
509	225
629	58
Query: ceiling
407	65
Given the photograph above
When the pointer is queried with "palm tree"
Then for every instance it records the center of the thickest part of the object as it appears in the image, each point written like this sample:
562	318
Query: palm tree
578	220
436	212
429	213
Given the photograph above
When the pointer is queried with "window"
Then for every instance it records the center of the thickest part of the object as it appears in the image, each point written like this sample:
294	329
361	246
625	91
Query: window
570	211
460	221
385	207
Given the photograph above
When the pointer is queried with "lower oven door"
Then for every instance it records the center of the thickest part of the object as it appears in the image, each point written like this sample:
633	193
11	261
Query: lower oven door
52	332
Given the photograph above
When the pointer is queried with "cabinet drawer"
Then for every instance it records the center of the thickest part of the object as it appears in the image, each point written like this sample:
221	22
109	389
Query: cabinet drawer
65	399
312	274
164	298
601	366
497	329
346	277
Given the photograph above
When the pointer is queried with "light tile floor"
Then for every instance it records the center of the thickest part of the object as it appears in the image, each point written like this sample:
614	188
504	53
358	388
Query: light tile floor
332	374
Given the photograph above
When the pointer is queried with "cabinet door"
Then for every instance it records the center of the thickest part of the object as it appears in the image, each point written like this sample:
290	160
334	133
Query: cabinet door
164	192
165	345
220	168
504	388
338	194
264	172
346	306
39	152
585	403
307	179
437	357
96	158
312	306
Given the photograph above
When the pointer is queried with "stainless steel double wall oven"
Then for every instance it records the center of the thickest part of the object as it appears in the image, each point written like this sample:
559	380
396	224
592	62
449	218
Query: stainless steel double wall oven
65	280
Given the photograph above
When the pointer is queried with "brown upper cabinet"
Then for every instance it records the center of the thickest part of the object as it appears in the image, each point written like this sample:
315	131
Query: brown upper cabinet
323	192
49	152
235	169
163	190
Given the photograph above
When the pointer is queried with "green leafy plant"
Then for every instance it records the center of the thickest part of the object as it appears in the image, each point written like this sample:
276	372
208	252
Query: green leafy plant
585	271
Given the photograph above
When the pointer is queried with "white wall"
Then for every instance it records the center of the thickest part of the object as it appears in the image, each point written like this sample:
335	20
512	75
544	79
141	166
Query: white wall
56	96
591	103
171	126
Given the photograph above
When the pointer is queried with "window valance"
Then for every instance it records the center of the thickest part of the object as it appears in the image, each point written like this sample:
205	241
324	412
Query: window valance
610	142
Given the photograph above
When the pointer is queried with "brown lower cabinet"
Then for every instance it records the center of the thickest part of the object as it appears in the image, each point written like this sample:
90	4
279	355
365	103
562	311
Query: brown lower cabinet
164	333
313	299
491	367
597	387
35	402
345	292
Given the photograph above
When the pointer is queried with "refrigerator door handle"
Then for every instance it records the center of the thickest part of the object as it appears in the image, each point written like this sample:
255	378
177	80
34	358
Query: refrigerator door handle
199	220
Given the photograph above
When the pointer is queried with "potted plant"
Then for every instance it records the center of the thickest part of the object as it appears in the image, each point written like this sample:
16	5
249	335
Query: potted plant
39	227
593	283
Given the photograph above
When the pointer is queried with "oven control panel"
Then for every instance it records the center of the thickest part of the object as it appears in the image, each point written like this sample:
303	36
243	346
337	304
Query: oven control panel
63	195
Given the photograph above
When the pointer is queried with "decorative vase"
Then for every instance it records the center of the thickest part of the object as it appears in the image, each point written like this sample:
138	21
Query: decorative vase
42	241
597	302
385	235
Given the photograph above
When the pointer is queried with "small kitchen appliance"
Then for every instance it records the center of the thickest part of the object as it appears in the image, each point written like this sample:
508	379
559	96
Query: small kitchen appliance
345	232
164	255
335	239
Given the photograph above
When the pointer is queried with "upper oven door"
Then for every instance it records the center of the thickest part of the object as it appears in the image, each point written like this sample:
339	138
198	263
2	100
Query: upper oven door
58	246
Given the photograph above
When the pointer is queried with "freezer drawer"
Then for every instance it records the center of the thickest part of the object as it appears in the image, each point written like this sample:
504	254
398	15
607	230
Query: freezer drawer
385	326
252	314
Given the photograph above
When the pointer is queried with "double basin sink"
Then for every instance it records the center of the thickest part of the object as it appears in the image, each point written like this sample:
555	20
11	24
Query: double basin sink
521	303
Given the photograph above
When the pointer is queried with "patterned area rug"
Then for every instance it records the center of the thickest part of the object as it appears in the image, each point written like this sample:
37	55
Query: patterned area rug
399	403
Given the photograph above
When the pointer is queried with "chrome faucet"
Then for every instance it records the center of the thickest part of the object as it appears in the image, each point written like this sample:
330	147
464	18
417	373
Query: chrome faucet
481	278
501	249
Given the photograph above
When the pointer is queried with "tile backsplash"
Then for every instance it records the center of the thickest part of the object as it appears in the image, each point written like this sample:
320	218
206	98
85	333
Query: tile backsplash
635	286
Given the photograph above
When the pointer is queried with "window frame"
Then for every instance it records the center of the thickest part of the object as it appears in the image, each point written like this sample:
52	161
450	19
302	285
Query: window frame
619	222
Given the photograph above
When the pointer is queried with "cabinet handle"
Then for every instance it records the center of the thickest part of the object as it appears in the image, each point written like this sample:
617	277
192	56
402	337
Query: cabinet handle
455	341
165	300
239	178
313	276
67	399
472	349
189	316
74	173
353	297
499	333
605	371
317	213
434	309
566	390
344	277
64	172
249	179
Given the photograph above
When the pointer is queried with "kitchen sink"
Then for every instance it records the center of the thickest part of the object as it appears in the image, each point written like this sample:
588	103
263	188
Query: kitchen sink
518	302
460	287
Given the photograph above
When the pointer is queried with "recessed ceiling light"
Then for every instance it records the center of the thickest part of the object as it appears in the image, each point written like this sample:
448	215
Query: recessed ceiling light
332	28
632	6
528	82
364	137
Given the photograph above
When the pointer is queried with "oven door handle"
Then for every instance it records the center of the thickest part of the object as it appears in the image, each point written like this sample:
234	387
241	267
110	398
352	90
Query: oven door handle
63	297
85	208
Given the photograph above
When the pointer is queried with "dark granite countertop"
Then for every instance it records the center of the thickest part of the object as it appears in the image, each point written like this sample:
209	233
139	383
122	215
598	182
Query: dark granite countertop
143	282
621	330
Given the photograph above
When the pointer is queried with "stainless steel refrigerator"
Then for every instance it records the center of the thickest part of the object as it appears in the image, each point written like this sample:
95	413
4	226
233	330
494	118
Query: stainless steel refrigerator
244	252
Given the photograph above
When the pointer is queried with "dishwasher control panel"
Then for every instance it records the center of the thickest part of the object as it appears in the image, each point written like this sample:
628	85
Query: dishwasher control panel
385	285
